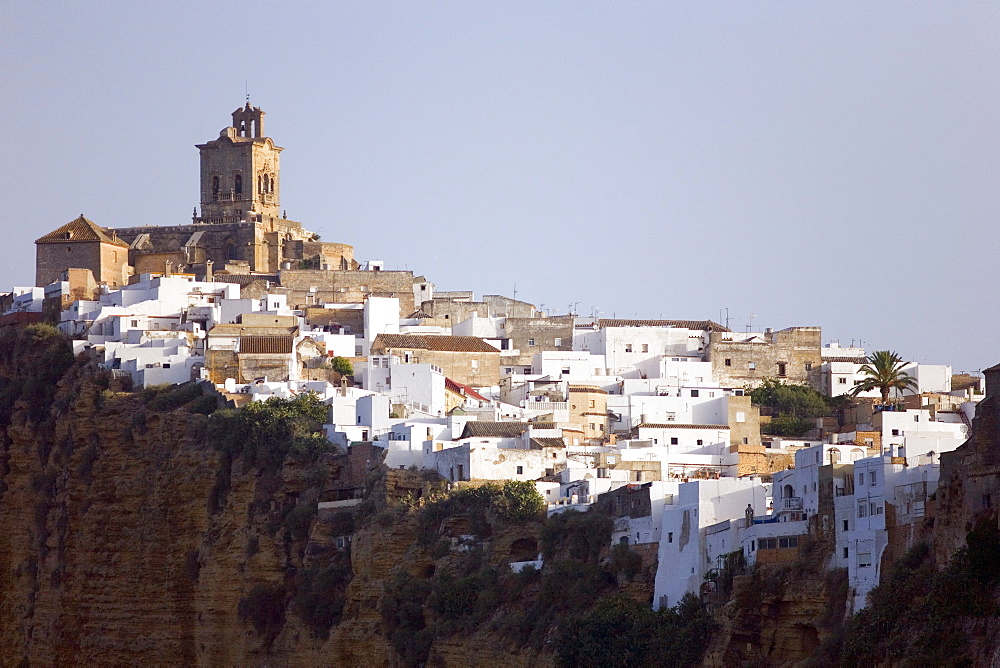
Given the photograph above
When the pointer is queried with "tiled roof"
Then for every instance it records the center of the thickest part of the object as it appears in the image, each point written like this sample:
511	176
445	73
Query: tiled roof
455	344
857	360
586	388
679	425
244	330
244	279
266	344
542	425
703	325
539	443
460	388
477	429
80	229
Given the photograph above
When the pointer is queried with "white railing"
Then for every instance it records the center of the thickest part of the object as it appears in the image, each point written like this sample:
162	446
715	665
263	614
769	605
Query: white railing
791	503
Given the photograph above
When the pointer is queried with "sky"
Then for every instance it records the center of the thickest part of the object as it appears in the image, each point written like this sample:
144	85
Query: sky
793	164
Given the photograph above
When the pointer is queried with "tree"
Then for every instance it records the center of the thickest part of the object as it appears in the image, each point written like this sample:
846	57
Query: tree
342	365
884	372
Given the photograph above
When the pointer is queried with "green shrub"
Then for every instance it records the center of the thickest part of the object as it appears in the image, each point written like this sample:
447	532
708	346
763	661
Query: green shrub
264	607
620	631
582	535
402	611
320	596
342	365
625	562
265	432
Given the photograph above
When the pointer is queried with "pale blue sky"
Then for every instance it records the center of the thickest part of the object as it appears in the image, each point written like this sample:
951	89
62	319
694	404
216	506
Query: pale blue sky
831	164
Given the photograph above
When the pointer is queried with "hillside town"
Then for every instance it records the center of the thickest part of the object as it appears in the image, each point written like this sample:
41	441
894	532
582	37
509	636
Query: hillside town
663	423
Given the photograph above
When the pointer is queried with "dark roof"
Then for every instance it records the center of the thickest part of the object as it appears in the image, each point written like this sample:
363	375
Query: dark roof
476	429
266	344
539	443
842	358
679	425
244	279
80	229
456	344
703	325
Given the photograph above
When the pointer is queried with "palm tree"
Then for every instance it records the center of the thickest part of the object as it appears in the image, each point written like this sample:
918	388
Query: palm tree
884	371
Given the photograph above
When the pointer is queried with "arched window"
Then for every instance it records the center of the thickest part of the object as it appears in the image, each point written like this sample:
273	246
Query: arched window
272	183
215	185
260	184
856	454
267	184
835	456
231	252
239	184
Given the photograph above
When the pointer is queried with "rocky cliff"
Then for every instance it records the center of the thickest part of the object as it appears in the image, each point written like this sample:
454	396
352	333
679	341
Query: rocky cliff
129	535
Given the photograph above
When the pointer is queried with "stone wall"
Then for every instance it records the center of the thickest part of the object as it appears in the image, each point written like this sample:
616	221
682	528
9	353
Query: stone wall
542	331
796	351
345	287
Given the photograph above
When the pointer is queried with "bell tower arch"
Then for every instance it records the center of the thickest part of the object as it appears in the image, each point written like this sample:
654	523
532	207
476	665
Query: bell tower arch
240	174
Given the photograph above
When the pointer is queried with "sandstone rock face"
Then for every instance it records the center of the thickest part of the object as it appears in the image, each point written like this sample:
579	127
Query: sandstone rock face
125	538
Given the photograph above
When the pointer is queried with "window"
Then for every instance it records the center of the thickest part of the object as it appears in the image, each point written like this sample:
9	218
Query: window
694	393
862	509
746	441
673	440
788	541
872	476
845	525
628	347
475	364
520	470
916	418
592	403
864	559
700	442
531	342
238	181
861	478
558	341
729	362
842	381
809	366
781	368
215	185
895	432
645	347
752	366
593	426
508	370
670	536
845	553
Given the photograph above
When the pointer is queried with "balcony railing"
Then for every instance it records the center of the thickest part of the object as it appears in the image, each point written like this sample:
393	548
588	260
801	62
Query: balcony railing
791	503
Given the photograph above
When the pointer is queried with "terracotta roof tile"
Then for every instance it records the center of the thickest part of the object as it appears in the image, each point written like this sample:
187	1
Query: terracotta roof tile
80	229
456	344
477	429
266	344
539	443
704	325
680	425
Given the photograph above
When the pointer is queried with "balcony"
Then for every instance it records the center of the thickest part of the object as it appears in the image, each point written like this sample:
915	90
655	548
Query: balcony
791	503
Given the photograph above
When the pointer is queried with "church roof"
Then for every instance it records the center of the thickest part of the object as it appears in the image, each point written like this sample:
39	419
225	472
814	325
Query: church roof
81	229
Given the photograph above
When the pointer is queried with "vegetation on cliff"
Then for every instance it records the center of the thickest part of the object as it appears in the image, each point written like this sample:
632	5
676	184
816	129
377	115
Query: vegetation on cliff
793	408
920	615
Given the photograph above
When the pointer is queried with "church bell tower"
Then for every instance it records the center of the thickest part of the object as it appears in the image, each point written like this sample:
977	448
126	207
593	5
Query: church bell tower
240	176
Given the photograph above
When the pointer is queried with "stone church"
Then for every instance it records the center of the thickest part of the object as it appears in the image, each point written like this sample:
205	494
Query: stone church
240	229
